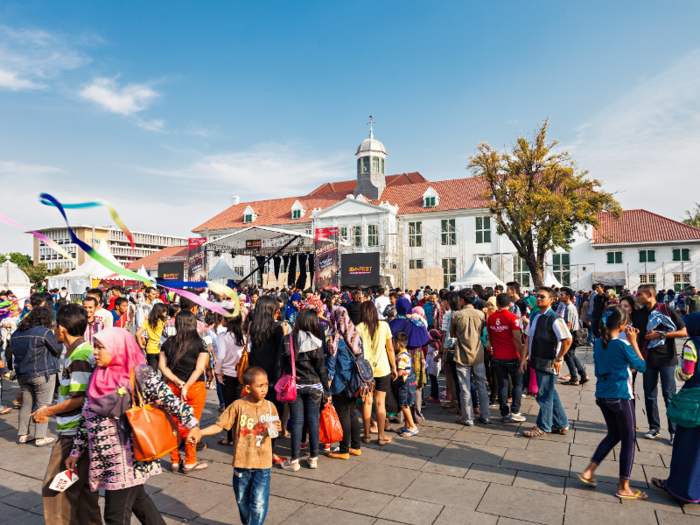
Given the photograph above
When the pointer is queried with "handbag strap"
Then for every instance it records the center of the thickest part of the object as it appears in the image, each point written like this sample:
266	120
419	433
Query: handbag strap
134	390
291	346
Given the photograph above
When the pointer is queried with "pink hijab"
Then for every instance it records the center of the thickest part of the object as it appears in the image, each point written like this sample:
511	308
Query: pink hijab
103	391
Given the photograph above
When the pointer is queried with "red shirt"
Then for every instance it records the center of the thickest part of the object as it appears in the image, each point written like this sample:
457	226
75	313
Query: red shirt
500	325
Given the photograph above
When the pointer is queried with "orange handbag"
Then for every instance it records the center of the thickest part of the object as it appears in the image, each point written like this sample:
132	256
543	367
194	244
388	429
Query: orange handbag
153	430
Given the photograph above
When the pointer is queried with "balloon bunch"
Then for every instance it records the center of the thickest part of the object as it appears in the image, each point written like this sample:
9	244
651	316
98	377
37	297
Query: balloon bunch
6	309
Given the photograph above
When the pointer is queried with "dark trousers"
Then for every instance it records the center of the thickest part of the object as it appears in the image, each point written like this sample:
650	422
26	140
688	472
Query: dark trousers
119	504
491	379
508	368
231	391
576	369
305	408
621	421
345	407
651	391
434	387
153	360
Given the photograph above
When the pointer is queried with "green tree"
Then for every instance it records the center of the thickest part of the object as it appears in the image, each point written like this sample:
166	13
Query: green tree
539	198
692	218
19	259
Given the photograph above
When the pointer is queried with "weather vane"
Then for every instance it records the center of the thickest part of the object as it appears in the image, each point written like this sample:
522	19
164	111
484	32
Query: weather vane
371	121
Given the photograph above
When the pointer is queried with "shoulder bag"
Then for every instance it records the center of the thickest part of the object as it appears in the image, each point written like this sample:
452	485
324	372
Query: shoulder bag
684	408
154	432
286	387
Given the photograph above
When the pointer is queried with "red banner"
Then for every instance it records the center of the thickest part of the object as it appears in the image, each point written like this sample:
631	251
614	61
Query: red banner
325	233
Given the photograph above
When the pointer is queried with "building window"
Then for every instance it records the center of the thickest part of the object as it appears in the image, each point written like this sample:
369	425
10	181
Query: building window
415	264
486	259
483	229
372	235
521	271
365	164
681	281
560	267
647	278
240	270
296	214
647	256
357	235
375	164
415	234
449	235
359	165
681	254
429	202
307	231
382	166
248	218
344	233
614	257
449	271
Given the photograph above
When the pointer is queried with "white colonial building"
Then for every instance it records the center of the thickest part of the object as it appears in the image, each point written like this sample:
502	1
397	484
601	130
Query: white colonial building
428	233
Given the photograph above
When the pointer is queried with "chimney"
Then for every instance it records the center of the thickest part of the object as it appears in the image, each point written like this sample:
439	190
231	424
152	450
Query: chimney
236	200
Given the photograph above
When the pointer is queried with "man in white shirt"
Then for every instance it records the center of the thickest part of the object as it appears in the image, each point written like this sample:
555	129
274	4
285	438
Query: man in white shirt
548	339
381	302
103	315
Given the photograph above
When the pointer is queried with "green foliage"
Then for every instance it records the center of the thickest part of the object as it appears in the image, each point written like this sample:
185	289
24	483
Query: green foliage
692	218
539	198
17	258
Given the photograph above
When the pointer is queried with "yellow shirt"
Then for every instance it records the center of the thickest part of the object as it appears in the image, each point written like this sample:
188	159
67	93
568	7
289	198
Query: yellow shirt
375	348
153	336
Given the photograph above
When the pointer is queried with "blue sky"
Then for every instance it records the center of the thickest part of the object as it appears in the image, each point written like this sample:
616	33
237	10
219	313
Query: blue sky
169	109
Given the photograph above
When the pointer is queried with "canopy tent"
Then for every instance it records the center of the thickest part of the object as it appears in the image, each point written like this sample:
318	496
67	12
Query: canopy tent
98	271
75	281
143	273
478	273
12	278
550	280
223	271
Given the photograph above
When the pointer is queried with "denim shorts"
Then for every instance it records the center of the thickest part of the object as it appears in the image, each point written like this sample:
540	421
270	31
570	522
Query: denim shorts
407	393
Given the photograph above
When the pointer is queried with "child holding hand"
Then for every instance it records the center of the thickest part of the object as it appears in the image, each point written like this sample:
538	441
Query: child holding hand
406	384
254	422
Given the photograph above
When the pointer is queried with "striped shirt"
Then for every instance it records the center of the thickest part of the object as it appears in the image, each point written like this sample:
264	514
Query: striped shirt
77	369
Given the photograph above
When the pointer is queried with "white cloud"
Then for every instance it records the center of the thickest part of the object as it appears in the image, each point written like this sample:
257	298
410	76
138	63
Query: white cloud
126	100
151	125
29	58
647	143
20	169
266	171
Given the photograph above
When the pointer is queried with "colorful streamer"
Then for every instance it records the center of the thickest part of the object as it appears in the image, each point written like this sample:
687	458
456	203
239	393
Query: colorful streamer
133	275
112	211
51	244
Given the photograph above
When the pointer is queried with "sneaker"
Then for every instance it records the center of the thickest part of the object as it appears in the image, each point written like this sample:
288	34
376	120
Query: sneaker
288	464
508	418
326	447
493	404
313	462
304	445
652	434
518	417
485	422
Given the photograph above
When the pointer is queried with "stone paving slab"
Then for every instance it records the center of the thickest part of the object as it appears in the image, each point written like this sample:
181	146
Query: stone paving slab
525	504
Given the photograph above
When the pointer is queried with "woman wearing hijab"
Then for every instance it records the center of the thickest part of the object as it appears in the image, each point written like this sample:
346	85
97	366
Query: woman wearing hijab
683	483
104	431
418	338
292	309
345	345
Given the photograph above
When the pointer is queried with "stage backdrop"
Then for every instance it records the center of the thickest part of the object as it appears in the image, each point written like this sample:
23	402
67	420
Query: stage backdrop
171	271
359	269
197	259
326	258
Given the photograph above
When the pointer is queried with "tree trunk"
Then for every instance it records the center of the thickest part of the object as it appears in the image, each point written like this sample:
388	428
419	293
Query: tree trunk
536	272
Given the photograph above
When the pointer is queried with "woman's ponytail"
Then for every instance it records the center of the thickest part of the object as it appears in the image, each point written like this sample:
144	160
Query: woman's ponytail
613	316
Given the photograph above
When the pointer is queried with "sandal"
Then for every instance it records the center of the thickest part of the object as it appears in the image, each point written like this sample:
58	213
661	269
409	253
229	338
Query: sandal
5	410
534	432
585	380
366	439
42	442
637	495
560	431
174	467
196	466
570	382
591	481
659	484
25	439
313	462
224	441
384	440
279	460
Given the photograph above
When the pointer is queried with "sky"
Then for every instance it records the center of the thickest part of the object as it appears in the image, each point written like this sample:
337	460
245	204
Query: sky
170	109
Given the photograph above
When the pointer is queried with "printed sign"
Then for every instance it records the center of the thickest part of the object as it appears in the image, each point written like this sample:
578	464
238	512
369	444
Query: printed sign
196	259
171	271
326	258
360	269
254	244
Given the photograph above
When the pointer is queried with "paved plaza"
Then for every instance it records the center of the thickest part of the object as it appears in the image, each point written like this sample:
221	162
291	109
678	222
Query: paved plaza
447	475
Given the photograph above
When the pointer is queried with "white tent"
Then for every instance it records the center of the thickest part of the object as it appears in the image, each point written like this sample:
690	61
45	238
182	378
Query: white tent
550	280
12	278
96	269
143	273
223	271
478	273
75	281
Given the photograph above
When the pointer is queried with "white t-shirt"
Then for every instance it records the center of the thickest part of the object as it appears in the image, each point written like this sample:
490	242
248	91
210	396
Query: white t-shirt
105	316
559	327
381	303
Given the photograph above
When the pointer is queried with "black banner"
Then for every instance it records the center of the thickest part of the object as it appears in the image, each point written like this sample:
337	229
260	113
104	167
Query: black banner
254	244
171	271
359	269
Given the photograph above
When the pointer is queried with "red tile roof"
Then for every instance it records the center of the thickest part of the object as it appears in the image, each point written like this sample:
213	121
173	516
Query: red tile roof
151	261
348	186
454	194
641	226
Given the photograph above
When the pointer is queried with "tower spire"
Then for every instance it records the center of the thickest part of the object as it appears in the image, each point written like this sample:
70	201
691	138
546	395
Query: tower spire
371	122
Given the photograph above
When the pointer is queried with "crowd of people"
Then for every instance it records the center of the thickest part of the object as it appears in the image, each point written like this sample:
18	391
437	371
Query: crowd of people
288	353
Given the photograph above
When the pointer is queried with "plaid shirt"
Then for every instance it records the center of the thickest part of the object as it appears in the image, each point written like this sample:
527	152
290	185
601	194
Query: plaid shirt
92	329
437	316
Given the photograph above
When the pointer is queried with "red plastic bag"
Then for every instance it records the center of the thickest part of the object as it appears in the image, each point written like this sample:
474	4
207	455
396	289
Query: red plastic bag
329	430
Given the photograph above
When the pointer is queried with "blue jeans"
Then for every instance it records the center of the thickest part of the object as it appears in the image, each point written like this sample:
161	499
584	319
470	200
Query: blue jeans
465	385
434	387
503	369
220	394
552	413
305	408
651	392
252	489
591	336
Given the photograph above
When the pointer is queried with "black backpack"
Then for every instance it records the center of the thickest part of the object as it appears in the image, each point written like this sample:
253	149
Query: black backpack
361	382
